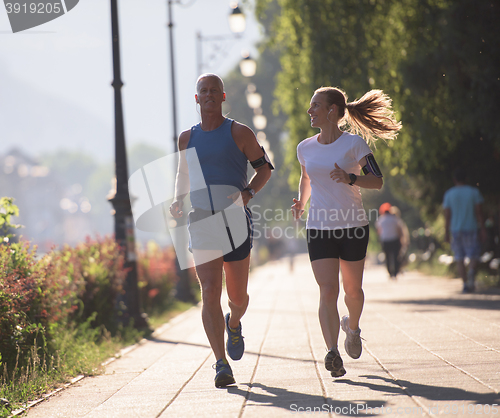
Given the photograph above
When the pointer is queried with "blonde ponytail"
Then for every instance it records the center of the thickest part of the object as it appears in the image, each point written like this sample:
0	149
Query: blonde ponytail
370	117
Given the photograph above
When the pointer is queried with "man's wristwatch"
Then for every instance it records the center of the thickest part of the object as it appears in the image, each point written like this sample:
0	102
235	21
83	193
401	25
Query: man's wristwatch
250	190
353	177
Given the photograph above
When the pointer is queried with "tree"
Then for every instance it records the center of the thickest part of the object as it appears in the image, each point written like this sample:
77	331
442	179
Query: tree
7	211
435	58
450	75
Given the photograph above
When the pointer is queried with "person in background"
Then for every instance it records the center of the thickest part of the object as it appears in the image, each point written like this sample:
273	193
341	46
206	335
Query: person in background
405	239
391	232
464	226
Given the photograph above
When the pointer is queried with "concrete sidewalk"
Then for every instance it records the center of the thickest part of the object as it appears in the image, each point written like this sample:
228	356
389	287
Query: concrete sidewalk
428	350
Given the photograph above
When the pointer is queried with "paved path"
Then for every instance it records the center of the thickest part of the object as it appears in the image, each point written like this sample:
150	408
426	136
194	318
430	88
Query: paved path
428	350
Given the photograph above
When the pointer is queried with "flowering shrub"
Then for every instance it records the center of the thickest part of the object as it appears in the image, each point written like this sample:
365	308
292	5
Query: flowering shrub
157	277
58	313
85	280
21	318
64	288
70	286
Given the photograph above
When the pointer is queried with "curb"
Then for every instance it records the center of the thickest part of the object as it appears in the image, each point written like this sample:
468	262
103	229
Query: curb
157	332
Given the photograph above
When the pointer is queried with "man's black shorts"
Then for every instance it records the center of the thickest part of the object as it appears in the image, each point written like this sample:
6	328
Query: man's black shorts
347	244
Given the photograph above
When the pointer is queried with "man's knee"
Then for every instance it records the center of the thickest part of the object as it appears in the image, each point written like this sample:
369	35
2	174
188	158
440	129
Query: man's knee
210	292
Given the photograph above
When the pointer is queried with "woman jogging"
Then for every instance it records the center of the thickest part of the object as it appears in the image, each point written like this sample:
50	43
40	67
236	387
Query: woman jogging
337	225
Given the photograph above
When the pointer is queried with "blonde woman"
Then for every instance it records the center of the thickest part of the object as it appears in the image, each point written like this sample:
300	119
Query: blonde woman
337	225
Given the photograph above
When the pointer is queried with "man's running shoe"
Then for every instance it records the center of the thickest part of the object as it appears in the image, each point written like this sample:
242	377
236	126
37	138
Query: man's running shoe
352	342
235	345
334	364
223	374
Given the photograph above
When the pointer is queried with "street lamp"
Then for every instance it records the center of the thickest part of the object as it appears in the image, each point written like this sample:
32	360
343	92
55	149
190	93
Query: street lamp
237	23
237	26
254	99
119	197
237	20
248	66
262	138
259	120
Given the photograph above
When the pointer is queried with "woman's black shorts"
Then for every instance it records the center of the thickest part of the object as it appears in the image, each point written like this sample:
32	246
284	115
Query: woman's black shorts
347	244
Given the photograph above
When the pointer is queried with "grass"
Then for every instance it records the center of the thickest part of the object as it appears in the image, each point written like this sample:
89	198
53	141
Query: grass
485	279
176	308
432	268
79	351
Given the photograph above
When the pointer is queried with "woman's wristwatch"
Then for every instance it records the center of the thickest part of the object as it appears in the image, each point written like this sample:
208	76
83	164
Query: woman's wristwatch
353	177
250	190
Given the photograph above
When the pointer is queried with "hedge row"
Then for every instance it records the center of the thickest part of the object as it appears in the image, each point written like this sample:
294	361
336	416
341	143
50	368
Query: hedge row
68	287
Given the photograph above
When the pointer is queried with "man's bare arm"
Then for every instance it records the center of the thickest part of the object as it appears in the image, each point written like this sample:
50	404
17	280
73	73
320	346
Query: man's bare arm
182	177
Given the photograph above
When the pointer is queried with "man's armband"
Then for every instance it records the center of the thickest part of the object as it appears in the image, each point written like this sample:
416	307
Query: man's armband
259	162
372	166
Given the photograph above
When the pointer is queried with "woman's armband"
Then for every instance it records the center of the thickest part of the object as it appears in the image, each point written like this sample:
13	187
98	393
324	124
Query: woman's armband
372	166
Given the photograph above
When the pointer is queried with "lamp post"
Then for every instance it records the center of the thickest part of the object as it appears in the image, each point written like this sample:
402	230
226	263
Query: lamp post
172	72
248	66
237	24
254	99
237	20
119	197
183	286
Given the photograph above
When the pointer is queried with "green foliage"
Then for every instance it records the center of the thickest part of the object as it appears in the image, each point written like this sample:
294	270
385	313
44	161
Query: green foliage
157	278
452	85
7	211
91	276
79	349
58	313
39	297
276	194
436	59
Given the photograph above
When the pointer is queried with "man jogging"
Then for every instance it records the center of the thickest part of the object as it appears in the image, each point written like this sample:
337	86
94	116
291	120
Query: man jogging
213	166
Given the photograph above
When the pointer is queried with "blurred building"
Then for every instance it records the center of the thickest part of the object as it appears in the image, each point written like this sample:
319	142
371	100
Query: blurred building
50	212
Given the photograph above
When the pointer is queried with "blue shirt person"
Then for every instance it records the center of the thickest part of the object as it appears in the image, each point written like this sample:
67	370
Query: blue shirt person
464	224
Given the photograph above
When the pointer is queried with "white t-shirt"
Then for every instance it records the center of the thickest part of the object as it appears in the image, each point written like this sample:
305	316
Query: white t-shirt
389	227
333	205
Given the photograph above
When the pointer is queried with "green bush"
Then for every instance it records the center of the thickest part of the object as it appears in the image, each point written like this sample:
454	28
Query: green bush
59	313
64	288
157	278
85	281
22	318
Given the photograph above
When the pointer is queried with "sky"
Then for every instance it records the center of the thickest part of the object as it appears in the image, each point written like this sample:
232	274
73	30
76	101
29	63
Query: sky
55	79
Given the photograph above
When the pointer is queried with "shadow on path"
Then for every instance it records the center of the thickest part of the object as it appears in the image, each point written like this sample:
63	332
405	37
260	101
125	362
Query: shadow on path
297	402
161	341
491	303
434	393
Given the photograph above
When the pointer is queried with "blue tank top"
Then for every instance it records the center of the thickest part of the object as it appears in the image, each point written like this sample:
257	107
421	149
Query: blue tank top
223	167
